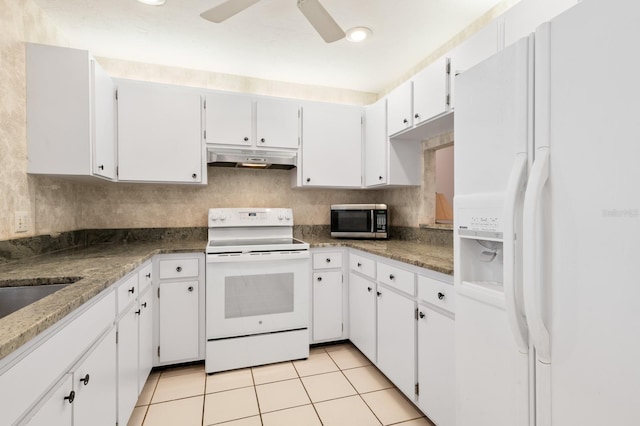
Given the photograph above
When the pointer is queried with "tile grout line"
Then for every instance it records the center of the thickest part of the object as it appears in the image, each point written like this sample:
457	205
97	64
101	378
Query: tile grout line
255	392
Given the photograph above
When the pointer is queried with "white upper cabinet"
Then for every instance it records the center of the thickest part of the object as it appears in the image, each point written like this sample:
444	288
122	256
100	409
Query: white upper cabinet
400	108
277	124
388	162
474	50
159	134
234	119
430	91
331	146
228	119
375	144
523	18
70	113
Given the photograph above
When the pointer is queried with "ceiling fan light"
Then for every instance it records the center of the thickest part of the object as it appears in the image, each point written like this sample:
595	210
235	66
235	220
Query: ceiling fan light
152	2
358	34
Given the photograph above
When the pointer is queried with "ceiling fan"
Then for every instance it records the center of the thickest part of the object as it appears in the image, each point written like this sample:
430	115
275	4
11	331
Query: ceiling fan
315	13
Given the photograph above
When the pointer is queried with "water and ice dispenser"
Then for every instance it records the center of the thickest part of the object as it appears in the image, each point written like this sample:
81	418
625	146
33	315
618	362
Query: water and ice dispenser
479	240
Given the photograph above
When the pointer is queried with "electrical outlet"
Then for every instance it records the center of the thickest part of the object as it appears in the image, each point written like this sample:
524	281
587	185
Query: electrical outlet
22	222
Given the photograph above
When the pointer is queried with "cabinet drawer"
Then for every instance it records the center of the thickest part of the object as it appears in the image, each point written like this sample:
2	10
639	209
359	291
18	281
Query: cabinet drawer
363	265
327	260
144	277
178	268
437	293
396	278
127	292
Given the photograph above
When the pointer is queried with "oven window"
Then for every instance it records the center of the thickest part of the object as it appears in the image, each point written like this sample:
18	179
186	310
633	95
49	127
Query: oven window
250	295
351	221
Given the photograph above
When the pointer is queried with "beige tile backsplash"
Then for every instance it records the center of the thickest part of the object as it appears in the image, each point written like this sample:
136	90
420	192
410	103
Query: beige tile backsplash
56	204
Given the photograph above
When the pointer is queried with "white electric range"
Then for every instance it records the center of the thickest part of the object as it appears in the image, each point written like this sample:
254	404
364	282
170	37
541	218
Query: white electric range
257	289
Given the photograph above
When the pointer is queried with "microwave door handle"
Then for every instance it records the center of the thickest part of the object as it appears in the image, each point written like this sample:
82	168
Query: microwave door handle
373	224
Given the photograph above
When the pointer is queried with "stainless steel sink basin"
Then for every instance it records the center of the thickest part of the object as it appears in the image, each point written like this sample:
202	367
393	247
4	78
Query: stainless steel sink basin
14	296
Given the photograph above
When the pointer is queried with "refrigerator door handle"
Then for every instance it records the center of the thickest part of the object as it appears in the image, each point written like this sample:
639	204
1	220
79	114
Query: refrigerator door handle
512	283
532	271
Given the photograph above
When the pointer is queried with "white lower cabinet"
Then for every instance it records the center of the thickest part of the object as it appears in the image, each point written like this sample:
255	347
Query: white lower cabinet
145	337
127	363
180	292
56	408
329	296
436	365
362	315
397	339
327	305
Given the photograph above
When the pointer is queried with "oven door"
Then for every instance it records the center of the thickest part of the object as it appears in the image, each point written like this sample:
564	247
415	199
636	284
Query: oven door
255	293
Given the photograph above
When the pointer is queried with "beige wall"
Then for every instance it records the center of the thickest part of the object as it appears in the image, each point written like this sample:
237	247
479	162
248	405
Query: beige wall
55	205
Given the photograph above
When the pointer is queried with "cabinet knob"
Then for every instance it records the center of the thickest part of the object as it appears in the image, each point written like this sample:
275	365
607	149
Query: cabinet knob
359	264
190	289
137	312
262	140
319	279
421	314
85	380
369	289
101	167
440	296
391	277
405	121
308	179
246	139
416	116
194	176
132	290
328	260
378	293
70	397
379	177
148	275
144	305
179	269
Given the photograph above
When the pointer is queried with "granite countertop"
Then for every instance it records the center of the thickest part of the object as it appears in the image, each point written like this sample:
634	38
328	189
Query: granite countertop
100	265
437	258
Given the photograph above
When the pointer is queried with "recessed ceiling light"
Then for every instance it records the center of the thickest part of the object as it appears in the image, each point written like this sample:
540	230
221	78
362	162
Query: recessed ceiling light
153	2
358	34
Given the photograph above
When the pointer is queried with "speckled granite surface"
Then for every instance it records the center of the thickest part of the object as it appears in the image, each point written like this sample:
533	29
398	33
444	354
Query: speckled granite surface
100	264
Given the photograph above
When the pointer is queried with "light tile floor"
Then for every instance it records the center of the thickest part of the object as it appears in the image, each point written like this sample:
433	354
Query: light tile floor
336	385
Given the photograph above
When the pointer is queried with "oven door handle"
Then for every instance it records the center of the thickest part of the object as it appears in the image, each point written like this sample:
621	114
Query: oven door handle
258	256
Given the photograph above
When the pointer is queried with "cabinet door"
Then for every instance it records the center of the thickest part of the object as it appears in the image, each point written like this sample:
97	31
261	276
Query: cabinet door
179	324
277	124
57	410
362	315
127	363
436	366
104	119
159	134
331	145
525	16
397	339
472	51
430	90
327	305
375	144
95	383
145	333
228	119
399	108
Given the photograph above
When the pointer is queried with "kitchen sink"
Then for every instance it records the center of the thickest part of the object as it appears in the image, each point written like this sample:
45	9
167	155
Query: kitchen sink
15	295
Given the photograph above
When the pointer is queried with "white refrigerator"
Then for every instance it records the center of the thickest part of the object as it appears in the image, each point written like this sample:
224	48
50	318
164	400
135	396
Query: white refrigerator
547	225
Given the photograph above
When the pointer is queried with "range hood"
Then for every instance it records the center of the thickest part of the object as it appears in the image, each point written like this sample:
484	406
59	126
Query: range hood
251	159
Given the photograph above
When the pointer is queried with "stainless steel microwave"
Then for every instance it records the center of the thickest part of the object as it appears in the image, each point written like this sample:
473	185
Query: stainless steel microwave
359	220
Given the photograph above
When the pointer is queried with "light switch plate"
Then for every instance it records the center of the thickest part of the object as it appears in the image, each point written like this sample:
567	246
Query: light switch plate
22	221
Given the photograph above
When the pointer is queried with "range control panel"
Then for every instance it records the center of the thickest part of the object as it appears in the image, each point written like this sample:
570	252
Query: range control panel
241	217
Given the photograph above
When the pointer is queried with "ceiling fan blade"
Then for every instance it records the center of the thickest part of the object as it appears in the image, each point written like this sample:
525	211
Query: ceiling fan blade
226	10
318	16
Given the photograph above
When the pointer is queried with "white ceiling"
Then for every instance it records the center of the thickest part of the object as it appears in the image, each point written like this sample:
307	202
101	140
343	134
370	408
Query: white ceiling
270	40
